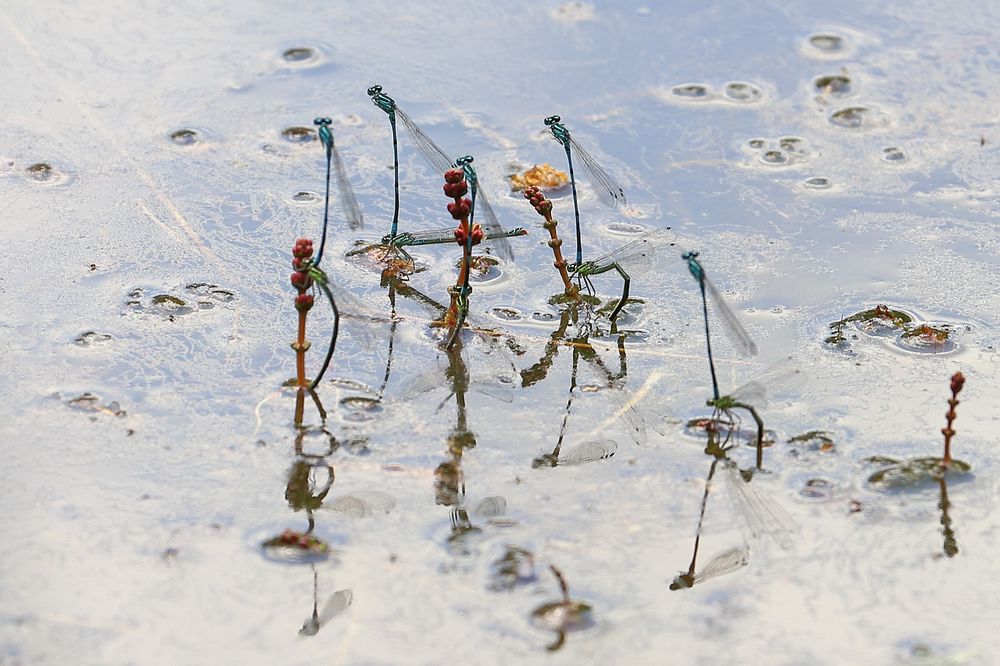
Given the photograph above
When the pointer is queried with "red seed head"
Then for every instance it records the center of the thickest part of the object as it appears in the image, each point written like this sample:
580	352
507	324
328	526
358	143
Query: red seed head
530	192
303	248
477	234
460	209
301	280
304	302
456	190
544	206
297	263
957	382
454	175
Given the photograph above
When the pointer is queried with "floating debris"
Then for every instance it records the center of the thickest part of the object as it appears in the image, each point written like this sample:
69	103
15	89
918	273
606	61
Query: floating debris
543	176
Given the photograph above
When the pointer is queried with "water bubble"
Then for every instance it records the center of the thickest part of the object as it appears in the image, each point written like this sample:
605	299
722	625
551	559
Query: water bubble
851	116
818	183
298	54
298	134
626	229
836	85
756	144
793	144
538	315
738	91
691	91
41	171
773	157
185	137
507	313
305	197
826	42
893	154
819	490
90	338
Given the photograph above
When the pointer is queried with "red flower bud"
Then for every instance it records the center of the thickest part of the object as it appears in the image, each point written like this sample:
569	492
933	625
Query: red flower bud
303	248
477	234
456	190
460	209
304	302
957	382
454	175
297	263
530	192
301	280
545	206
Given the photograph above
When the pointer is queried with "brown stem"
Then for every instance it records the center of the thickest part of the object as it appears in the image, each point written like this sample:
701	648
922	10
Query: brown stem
556	244
300	352
300	403
957	382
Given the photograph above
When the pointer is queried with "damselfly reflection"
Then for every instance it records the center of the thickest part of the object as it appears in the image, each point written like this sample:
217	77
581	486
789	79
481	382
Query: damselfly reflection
759	518
336	604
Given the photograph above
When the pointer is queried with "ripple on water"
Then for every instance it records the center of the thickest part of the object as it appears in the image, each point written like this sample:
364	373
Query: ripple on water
856	117
298	134
626	229
47	173
893	154
818	183
833	85
692	91
774	157
740	91
507	313
359	409
303	196
185	136
826	45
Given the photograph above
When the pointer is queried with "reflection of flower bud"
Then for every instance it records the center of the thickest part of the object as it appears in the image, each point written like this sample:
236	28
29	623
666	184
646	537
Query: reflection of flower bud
301	280
460	209
304	302
454	175
456	190
957	382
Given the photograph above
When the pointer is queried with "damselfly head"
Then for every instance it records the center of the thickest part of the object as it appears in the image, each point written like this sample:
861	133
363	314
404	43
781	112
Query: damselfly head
374	90
464	159
551	120
689	255
319	122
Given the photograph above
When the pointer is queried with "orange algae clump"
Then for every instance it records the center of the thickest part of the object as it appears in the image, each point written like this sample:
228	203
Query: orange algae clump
541	175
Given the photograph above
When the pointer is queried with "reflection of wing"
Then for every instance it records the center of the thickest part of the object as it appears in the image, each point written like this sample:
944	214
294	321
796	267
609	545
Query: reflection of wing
335	605
785	374
491	507
761	515
589	452
349	505
725	562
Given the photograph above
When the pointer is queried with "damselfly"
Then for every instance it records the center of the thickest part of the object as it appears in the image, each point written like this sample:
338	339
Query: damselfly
630	260
347	199
731	323
440	162
607	188
753	396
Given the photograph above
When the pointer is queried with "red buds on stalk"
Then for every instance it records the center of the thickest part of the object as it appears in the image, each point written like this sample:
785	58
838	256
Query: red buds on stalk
303	248
477	235
535	197
456	190
454	176
460	208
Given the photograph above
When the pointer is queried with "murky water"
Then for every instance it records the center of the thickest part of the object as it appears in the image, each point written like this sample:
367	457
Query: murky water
156	166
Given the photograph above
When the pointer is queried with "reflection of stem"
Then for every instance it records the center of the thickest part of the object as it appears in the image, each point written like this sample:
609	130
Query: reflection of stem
957	382
950	542
562	583
540	370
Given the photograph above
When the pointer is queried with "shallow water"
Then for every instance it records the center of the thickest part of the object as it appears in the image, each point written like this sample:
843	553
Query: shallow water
824	158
